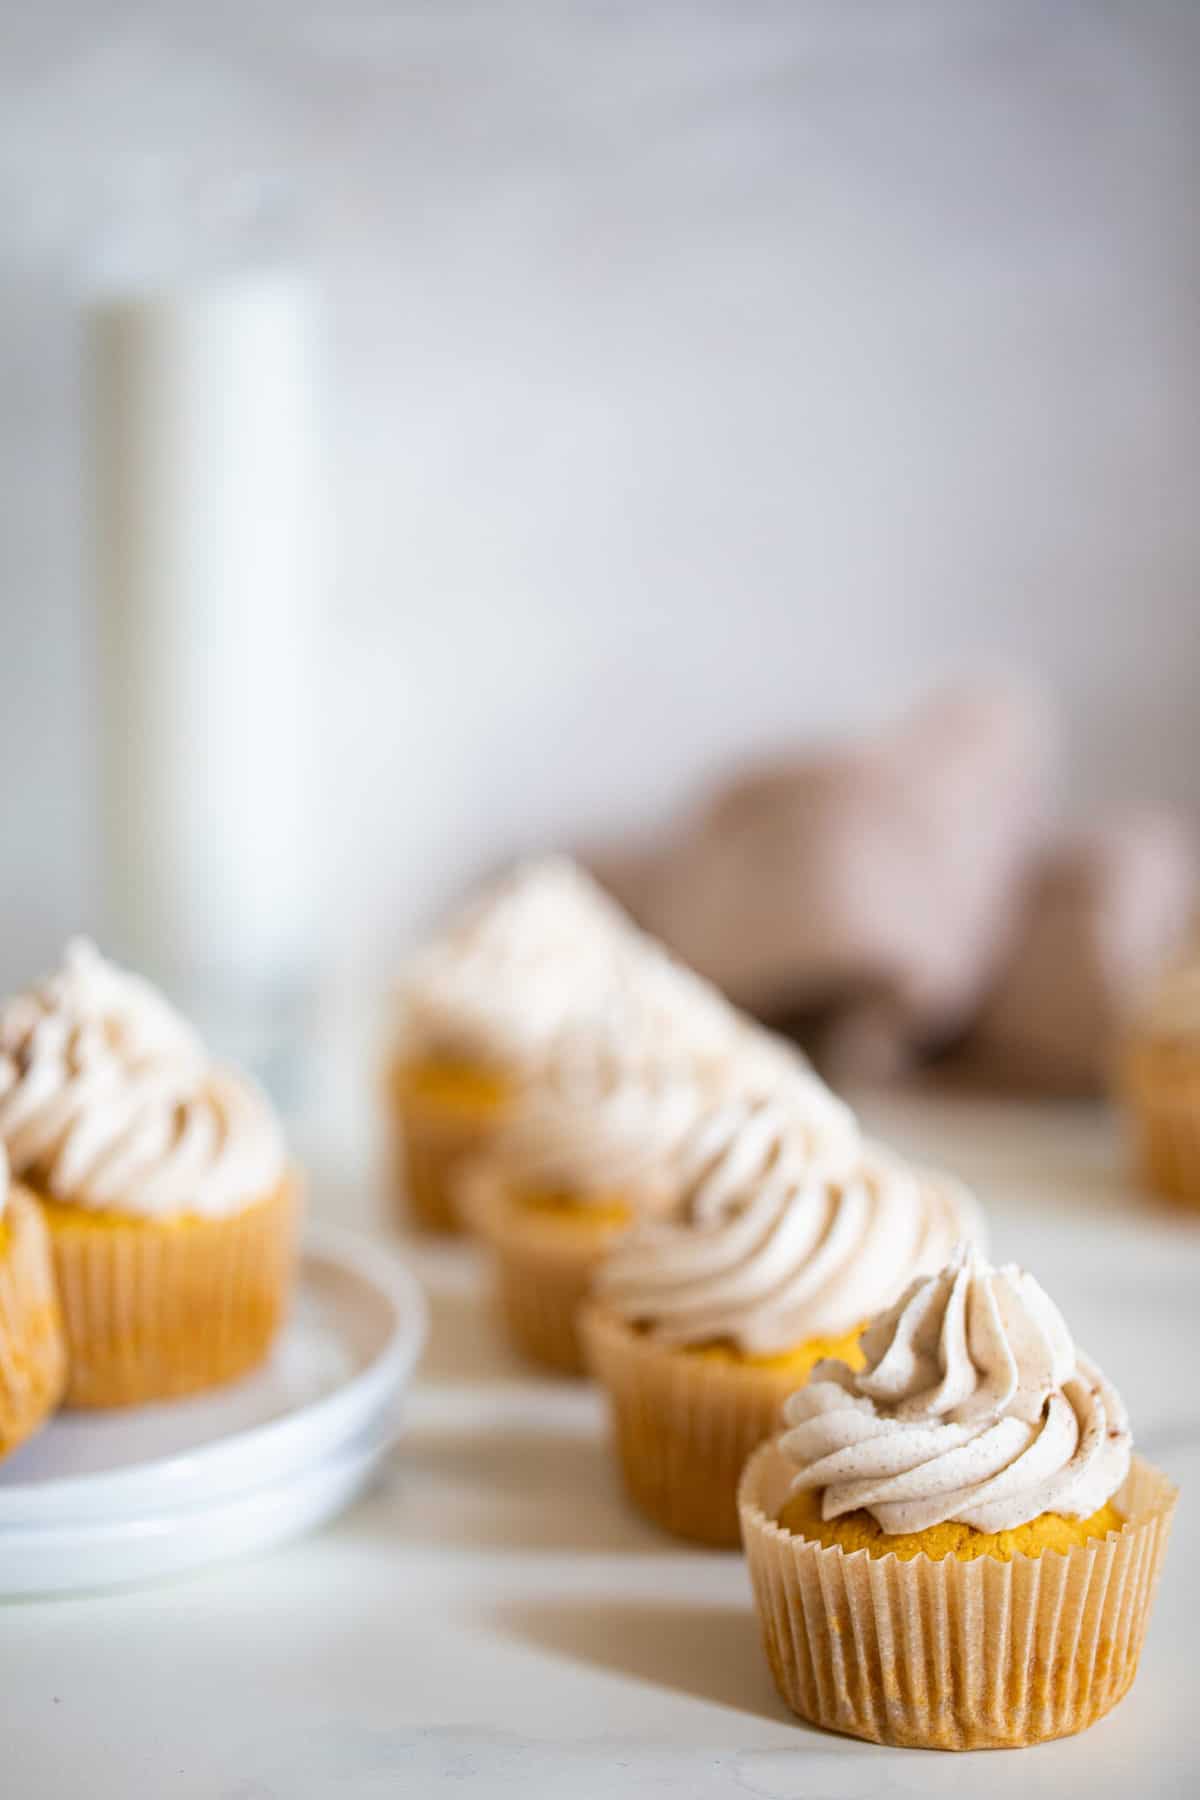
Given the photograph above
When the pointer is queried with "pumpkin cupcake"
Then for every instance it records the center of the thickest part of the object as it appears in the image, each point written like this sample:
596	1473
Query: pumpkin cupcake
773	1259
1160	1080
162	1178
479	1009
596	1143
951	1546
33	1362
583	1153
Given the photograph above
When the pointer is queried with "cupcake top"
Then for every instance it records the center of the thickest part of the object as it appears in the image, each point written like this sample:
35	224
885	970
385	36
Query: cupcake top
769	1248
108	1100
514	967
598	1130
974	1406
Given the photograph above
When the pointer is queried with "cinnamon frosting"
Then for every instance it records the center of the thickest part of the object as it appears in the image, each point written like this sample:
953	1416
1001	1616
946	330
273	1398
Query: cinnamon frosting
770	1246
109	1101
595	1138
515	968
974	1406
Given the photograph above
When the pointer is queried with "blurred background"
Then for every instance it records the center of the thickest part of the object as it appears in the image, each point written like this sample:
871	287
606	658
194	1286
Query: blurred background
686	383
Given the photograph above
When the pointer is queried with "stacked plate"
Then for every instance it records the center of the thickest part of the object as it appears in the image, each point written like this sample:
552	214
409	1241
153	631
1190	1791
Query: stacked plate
98	1499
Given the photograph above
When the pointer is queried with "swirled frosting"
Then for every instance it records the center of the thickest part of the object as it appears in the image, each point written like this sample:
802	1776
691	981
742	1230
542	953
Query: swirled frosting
595	1131
109	1101
515	968
974	1406
771	1247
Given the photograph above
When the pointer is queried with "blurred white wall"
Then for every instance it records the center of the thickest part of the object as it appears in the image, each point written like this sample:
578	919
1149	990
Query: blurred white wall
706	376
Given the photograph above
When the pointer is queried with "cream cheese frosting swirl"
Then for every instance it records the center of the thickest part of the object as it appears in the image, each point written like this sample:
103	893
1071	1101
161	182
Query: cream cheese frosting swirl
596	1132
974	1407
515	967
770	1248
109	1101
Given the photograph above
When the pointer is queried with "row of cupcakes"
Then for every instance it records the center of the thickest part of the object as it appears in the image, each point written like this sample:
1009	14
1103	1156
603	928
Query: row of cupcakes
147	1203
950	1543
668	1193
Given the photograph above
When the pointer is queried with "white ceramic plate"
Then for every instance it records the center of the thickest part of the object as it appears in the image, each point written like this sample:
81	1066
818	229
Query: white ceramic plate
121	1496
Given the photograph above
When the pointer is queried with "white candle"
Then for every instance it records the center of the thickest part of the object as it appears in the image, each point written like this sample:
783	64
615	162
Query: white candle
206	540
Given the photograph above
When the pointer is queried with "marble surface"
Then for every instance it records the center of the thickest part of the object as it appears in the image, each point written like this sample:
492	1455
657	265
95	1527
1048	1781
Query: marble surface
490	1620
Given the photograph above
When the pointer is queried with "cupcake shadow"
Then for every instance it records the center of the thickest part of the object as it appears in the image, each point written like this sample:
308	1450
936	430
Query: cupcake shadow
708	1652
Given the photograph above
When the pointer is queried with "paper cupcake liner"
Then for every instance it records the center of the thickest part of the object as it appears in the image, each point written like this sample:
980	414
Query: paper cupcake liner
154	1309
542	1273
429	1144
953	1655
1162	1096
33	1358
683	1425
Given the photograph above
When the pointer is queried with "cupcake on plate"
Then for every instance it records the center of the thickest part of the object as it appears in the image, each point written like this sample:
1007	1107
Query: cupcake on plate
33	1361
950	1544
1160	1080
772	1260
162	1178
479	1008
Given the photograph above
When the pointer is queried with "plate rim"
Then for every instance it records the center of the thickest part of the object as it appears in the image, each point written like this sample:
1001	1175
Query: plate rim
373	1261
273	1513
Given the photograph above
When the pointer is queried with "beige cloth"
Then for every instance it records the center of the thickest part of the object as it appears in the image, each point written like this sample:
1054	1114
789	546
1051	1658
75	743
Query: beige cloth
1103	914
877	884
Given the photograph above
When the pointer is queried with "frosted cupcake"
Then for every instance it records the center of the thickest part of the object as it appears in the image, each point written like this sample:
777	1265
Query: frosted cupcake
590	1148
950	1544
1160	1078
479	1009
704	1322
162	1178
583	1153
33	1362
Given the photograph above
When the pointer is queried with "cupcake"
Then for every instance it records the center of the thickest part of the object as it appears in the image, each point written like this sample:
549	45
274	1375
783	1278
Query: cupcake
950	1544
1160	1080
479	1009
589	1149
772	1260
33	1361
162	1178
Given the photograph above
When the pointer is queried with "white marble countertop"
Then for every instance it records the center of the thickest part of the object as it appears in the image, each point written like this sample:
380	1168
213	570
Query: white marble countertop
490	1620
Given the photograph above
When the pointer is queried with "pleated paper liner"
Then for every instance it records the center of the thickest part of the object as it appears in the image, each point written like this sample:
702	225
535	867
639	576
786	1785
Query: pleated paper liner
954	1655
430	1140
683	1425
1161	1090
157	1308
33	1358
542	1268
